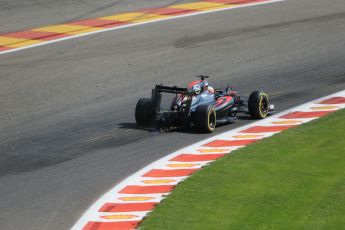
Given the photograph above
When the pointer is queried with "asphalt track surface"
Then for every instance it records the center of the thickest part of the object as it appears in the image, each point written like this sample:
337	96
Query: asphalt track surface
67	131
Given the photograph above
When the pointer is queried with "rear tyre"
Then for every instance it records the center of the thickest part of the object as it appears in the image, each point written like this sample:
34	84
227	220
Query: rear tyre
258	105
205	118
143	111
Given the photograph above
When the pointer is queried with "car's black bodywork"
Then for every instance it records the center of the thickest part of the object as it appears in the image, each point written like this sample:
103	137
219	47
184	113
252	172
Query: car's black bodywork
196	105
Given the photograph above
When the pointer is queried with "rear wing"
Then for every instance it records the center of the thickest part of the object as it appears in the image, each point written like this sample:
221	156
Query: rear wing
169	89
157	96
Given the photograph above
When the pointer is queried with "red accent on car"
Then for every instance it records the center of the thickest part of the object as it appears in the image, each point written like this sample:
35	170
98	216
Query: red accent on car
222	100
193	83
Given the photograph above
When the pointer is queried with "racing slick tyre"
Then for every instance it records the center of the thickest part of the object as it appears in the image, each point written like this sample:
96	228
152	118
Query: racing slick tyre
143	111
258	104
205	118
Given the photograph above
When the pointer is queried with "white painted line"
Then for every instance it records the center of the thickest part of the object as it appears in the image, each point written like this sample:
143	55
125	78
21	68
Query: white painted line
113	195
136	24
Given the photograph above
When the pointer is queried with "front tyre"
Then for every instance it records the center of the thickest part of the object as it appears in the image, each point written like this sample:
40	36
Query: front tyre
143	111
205	118
258	105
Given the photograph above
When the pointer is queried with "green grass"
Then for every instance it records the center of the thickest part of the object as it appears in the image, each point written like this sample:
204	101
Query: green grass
294	180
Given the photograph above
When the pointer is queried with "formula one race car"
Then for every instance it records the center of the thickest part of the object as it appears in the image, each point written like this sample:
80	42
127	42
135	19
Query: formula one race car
200	106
